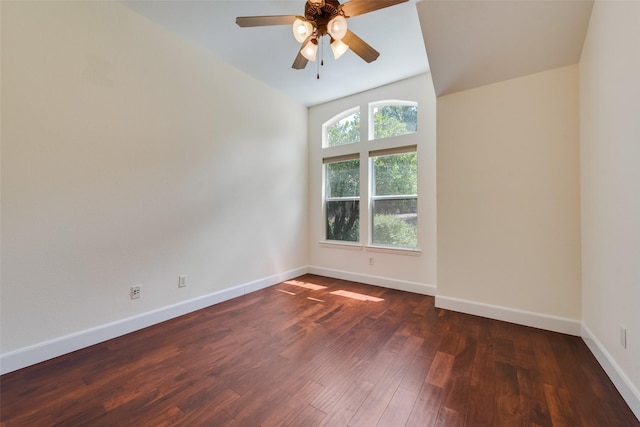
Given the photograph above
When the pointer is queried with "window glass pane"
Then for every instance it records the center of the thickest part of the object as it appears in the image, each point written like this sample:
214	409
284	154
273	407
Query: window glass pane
343	220
394	120
395	222
343	179
344	130
396	174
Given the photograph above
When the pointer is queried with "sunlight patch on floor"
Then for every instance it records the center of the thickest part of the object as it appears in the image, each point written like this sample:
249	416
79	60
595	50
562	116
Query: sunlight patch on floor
315	299
305	285
285	292
355	295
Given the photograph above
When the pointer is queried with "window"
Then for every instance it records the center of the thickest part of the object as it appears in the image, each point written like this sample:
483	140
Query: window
393	118
394	197
342	129
342	198
391	210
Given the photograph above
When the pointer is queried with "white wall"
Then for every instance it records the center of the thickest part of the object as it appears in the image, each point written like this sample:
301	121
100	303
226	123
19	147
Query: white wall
413	272
129	157
508	201
610	179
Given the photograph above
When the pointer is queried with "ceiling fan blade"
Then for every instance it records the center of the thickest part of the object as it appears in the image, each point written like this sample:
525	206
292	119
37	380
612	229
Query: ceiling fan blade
261	21
359	7
360	47
300	62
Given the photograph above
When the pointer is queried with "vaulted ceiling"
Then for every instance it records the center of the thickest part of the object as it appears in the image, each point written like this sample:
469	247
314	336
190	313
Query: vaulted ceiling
470	43
477	42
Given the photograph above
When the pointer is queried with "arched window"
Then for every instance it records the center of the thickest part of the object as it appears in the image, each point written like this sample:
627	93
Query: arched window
390	168
342	129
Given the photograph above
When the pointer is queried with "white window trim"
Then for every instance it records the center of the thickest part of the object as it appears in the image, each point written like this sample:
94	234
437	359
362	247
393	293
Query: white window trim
335	119
364	151
326	161
338	244
372	198
393	250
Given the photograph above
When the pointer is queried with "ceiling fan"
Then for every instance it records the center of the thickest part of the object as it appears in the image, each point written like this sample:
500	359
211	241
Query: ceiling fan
321	18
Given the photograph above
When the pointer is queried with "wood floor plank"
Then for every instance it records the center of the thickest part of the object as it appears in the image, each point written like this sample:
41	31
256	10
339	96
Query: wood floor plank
385	388
507	407
427	406
440	369
343	409
310	357
399	408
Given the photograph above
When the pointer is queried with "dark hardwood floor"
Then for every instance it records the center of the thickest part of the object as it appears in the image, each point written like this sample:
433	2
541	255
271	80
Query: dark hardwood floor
293	355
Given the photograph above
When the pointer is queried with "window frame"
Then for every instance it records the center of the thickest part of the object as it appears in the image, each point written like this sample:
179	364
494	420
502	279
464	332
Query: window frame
387	102
336	119
373	197
364	150
325	200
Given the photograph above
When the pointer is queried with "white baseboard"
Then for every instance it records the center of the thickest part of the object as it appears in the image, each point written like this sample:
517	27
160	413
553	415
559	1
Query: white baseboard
629	392
40	352
385	282
520	317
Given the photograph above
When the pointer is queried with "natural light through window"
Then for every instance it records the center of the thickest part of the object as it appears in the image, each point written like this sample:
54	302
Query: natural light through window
394	199
342	129
342	199
392	118
356	296
387	181
305	285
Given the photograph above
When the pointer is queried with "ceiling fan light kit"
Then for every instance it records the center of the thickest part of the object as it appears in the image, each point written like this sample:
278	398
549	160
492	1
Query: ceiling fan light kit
338	47
302	29
338	27
321	18
310	49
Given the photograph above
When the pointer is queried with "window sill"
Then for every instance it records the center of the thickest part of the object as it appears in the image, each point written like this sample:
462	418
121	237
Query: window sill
341	245
391	250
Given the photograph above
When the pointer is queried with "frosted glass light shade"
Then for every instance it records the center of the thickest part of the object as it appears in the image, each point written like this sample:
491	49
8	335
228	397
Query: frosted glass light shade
302	30
338	47
310	50
337	27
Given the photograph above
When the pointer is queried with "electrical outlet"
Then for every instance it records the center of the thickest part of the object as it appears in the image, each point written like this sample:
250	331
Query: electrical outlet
135	291
623	337
182	280
370	261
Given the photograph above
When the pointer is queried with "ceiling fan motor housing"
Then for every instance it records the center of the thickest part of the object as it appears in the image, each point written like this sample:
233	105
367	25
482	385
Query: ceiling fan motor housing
322	15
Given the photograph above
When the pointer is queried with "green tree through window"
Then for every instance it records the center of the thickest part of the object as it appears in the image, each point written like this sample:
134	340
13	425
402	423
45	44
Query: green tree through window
344	131
393	199
394	120
342	200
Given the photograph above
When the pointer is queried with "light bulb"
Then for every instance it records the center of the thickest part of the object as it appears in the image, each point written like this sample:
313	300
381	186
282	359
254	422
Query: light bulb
338	47
338	27
301	30
310	49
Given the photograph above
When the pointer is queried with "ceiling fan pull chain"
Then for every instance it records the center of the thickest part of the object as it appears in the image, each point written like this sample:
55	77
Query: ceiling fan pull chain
321	62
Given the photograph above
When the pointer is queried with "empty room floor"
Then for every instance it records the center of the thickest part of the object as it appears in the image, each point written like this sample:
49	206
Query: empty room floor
316	351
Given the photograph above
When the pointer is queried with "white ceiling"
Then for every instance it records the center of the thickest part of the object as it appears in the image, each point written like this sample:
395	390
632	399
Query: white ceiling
470	42
266	53
477	42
